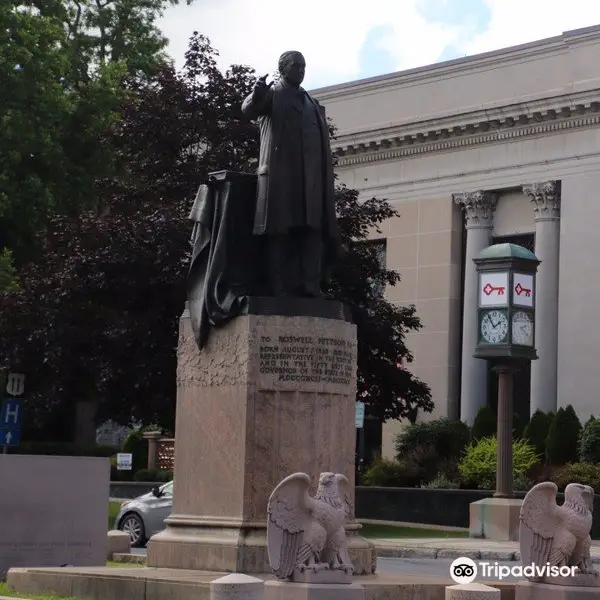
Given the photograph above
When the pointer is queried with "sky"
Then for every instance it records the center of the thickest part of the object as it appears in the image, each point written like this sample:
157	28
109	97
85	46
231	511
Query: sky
347	40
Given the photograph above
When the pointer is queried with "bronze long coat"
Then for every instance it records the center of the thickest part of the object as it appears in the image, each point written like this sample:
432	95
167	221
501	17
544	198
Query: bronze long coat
295	171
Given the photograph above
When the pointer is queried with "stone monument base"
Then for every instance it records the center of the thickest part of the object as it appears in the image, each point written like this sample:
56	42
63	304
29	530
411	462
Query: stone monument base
206	545
526	590
495	519
283	590
268	396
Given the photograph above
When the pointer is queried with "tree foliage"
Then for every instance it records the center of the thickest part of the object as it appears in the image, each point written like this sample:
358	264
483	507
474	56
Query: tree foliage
49	151
563	437
537	430
99	32
97	318
485	424
589	441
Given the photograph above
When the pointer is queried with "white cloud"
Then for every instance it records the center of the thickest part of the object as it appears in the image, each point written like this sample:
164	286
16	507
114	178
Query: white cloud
516	22
330	33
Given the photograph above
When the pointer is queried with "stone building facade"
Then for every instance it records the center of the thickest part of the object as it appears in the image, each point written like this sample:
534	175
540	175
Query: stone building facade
503	146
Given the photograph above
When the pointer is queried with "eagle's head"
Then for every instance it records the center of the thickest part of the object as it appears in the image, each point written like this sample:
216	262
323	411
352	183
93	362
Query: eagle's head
328	486
327	480
577	494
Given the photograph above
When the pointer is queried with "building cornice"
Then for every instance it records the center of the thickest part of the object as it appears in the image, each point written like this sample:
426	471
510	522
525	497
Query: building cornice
486	60
486	126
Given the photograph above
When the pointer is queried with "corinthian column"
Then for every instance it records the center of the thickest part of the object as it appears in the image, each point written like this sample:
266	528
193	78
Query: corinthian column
479	211
545	198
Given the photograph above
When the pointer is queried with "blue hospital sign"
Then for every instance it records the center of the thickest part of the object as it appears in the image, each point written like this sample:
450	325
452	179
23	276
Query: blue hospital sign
11	414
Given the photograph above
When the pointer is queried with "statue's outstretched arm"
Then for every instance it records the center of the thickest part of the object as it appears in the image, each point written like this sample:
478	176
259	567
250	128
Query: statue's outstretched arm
254	106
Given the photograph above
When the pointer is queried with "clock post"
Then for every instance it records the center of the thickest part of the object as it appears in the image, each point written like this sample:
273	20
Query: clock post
506	339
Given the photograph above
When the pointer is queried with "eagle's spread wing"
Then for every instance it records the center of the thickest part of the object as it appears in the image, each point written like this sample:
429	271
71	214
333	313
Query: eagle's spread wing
345	495
346	499
540	521
288	511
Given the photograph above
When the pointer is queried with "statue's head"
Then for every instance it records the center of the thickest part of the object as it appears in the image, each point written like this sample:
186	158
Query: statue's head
291	67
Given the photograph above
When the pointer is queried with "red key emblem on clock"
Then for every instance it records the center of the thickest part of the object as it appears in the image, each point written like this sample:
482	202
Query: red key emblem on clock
521	291
489	289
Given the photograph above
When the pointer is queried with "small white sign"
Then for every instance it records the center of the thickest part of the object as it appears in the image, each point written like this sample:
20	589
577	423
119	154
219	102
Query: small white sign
359	416
124	462
493	289
15	384
523	290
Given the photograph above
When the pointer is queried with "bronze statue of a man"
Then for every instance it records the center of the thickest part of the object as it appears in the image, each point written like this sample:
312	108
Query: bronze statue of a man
295	192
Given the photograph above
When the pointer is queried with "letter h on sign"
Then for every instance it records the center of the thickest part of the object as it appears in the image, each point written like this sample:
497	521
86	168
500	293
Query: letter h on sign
11	414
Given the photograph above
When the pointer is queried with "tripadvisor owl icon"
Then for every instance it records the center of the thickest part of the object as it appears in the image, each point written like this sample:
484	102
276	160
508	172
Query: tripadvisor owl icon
463	570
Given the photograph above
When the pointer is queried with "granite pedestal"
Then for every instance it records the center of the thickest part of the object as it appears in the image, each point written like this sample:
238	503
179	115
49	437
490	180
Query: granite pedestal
495	519
268	396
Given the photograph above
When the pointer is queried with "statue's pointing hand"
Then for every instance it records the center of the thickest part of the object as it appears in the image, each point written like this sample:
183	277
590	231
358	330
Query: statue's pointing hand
261	86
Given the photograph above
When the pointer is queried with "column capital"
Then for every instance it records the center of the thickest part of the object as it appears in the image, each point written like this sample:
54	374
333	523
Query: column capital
478	207
545	198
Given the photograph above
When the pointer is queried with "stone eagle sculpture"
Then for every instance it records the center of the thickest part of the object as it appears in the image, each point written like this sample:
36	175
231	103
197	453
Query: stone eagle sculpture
307	533
558	536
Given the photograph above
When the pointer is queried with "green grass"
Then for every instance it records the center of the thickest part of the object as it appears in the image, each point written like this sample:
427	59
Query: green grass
6	591
397	532
113	511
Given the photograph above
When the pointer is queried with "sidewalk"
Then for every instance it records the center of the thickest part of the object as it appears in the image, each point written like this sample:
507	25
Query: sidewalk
451	548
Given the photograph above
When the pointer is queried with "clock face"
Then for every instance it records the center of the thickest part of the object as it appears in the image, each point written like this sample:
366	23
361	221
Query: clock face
522	329
494	327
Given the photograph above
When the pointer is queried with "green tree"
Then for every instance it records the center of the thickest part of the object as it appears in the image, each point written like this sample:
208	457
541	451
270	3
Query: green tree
485	423
49	151
589	442
8	275
536	431
99	32
563	437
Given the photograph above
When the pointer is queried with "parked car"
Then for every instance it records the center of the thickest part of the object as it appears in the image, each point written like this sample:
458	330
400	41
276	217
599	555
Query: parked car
145	515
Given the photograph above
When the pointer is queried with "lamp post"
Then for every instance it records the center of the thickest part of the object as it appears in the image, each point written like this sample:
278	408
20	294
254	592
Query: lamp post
506	317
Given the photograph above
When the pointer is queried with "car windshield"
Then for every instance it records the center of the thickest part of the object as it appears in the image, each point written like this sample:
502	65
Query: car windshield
167	490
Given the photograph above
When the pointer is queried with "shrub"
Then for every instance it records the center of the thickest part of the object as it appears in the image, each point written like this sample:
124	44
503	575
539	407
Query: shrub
584	473
522	482
443	482
389	473
478	466
153	475
485	423
165	476
563	437
136	445
447	437
589	442
519	424
537	431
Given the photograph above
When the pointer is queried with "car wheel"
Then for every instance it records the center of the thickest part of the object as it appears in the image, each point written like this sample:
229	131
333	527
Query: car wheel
134	526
